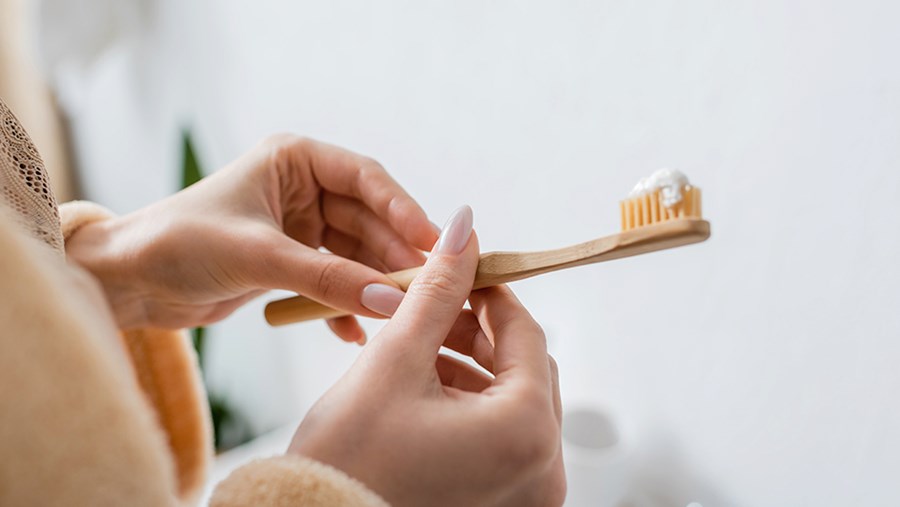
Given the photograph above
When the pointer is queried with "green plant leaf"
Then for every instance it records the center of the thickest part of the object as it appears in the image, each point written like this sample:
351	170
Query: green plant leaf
190	167
198	336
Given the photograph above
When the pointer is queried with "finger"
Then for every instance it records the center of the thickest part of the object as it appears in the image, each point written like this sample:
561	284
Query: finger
351	248
354	219
437	294
347	328
347	173
467	337
520	347
327	278
455	373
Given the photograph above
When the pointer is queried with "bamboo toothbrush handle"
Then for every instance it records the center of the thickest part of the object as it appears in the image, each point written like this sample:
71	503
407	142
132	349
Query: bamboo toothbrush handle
495	268
300	308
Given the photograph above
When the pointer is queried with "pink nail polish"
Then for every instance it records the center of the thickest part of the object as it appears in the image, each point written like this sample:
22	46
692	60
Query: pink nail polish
456	232
381	298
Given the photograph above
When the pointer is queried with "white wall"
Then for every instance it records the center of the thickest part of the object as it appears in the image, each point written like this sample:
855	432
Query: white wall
759	368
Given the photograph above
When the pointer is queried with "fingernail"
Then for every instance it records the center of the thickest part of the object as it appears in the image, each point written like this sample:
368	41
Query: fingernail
456	232
381	298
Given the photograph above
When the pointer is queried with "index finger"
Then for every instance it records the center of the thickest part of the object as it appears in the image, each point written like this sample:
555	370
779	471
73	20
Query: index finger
344	172
520	347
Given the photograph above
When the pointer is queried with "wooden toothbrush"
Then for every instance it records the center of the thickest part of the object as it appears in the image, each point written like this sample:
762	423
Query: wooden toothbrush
649	223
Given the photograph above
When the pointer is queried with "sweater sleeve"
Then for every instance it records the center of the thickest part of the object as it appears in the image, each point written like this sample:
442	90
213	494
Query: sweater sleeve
75	429
166	368
292	480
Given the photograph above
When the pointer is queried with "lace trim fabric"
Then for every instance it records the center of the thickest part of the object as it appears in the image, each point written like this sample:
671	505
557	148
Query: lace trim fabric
24	182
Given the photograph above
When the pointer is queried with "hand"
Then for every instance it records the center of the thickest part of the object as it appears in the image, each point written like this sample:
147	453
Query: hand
421	428
256	225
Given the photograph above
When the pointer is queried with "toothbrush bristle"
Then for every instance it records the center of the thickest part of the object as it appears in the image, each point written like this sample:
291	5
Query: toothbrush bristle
649	209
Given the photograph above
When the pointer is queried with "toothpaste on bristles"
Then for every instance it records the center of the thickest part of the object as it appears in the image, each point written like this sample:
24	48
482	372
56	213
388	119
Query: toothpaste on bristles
664	195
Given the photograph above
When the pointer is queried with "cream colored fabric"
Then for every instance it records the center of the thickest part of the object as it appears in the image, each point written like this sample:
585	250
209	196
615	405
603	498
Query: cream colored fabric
75	429
24	184
167	370
286	481
163	360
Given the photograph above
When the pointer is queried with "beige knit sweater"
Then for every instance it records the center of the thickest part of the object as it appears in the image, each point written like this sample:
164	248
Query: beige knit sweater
91	416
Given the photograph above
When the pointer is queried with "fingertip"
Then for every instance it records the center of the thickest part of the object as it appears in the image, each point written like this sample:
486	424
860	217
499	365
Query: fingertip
337	282
425	235
419	231
404	257
347	329
456	232
474	240
439	290
381	298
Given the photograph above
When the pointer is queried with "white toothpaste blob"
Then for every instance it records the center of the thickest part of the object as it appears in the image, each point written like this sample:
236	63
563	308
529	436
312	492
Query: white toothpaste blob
668	181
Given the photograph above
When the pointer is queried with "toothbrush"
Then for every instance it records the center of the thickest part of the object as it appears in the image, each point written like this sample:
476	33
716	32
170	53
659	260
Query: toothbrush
663	211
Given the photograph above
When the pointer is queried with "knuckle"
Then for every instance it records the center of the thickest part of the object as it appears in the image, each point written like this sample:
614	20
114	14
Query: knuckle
503	326
279	146
531	440
325	284
534	331
554	366
373	172
369	164
438	285
275	141
527	451
520	325
368	174
395	205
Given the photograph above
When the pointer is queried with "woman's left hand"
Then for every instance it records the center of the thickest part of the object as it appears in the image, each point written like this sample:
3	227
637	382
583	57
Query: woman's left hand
256	225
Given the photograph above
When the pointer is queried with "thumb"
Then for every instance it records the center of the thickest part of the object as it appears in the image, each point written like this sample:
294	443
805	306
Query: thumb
436	296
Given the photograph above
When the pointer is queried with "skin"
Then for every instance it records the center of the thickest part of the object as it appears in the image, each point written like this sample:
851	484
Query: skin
418	427
256	225
421	428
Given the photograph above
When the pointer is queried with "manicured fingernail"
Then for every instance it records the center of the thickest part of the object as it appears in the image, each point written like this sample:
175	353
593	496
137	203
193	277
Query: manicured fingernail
456	232
381	298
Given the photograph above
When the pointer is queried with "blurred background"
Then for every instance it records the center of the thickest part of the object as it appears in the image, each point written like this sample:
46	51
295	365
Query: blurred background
759	368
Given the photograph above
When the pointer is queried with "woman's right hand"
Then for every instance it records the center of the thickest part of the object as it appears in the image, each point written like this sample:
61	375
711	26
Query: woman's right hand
421	428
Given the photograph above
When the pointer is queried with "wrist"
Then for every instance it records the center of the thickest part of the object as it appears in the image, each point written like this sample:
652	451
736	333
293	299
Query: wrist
94	247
